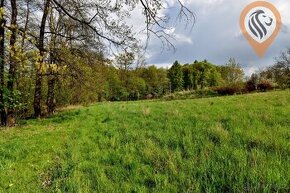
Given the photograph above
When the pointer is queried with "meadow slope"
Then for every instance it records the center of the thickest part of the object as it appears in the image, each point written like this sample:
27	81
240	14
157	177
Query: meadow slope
224	144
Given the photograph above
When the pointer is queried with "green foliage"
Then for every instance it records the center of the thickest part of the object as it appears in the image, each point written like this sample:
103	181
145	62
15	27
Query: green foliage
64	63
136	87
232	73
280	72
230	89
13	99
175	75
206	74
156	80
81	81
188	77
224	144
193	94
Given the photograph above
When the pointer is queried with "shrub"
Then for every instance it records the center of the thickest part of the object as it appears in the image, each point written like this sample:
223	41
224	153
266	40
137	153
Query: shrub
251	86
190	94
265	86
229	90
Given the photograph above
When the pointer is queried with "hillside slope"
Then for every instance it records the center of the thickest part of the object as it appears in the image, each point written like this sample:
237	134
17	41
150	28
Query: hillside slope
224	144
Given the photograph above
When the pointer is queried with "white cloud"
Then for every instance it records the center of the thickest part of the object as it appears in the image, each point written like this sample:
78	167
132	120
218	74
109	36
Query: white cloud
180	38
170	31
251	70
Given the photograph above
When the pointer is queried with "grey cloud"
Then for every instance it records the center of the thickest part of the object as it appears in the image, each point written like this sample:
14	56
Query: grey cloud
216	37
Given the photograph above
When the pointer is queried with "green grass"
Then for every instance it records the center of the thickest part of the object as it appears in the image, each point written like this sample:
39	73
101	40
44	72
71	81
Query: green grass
224	144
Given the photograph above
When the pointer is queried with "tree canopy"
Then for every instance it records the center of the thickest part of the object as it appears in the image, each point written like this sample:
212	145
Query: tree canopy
56	52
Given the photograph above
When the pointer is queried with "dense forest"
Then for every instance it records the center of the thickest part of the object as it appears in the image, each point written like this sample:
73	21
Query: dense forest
56	53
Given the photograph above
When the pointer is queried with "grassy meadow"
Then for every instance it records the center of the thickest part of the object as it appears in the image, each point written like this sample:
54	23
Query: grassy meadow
223	144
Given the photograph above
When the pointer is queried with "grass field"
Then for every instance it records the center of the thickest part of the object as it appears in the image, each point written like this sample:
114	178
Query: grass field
225	144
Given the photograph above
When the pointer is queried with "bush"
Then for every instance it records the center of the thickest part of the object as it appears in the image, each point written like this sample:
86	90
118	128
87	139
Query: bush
251	86
229	90
194	94
265	86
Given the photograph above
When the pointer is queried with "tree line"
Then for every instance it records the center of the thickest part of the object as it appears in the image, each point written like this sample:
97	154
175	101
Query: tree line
55	52
203	74
230	78
278	75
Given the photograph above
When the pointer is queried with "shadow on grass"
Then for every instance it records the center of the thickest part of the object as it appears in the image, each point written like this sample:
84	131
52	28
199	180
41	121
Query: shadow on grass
58	118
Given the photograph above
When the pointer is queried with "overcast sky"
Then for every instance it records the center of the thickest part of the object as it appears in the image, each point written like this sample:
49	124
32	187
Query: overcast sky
216	36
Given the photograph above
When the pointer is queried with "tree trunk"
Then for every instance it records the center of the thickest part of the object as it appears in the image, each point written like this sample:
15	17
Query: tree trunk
51	95
39	78
24	37
25	26
13	67
50	101
2	64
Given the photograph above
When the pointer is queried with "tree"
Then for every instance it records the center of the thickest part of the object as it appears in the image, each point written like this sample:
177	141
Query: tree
13	66
232	73
252	83
188	78
53	48
40	63
156	80
205	75
175	75
280	72
2	62
136	87
124	64
201	73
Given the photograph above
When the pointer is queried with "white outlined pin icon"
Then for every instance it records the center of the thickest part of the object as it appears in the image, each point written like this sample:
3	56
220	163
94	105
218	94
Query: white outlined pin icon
260	23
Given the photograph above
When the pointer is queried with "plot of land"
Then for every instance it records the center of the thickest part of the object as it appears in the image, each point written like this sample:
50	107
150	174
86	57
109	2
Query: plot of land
224	144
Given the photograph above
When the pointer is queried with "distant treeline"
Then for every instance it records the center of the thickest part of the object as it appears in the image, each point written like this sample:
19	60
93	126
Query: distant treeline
86	77
123	82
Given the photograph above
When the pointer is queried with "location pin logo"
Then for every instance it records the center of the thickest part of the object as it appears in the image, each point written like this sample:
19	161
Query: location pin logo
260	23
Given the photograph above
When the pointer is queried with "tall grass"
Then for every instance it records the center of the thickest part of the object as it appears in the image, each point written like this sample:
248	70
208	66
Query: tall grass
224	144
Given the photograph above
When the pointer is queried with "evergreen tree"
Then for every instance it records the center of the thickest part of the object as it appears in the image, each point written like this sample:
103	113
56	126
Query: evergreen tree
175	75
188	77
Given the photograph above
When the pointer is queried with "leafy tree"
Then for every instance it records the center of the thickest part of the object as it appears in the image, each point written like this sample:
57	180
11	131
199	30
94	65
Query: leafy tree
252	83
40	65
114	87
2	62
175	75
54	50
156	80
232	73
124	64
205	75
214	78
136	87
13	65
188	78
280	72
